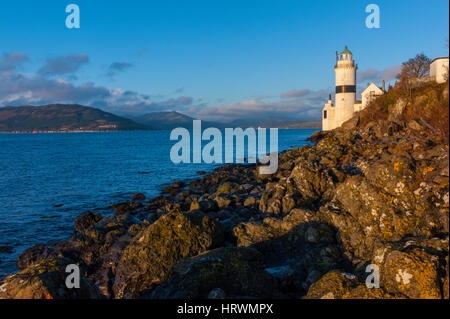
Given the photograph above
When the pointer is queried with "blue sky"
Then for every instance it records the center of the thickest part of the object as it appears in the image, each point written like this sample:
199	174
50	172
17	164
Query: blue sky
216	60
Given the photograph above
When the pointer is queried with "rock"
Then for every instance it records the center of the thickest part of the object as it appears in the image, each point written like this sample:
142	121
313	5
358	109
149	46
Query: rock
237	271
178	184
6	250
252	233
339	285
362	292
351	123
51	216
284	274
34	255
217	293
314	183
333	285
412	273
248	234
398	108
223	201
312	277
138	196
85	220
147	261
174	188
251	201
414	125
319	233
227	187
284	241
127	208
45	280
317	136
204	205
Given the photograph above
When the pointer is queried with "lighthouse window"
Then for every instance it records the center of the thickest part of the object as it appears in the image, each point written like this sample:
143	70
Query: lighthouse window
324	114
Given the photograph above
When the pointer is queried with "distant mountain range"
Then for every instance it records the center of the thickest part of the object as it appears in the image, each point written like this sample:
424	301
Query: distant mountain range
170	120
78	118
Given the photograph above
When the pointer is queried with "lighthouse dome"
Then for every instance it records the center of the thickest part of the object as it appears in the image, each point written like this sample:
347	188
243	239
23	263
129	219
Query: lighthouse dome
345	55
346	51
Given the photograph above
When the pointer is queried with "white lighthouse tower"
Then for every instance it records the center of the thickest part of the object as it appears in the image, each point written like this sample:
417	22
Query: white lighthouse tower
346	105
345	86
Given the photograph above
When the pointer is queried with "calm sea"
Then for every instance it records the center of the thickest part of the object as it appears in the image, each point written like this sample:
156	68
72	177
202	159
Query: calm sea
62	175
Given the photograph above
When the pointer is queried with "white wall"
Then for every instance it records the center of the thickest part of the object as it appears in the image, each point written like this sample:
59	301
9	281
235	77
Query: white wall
439	70
369	93
328	123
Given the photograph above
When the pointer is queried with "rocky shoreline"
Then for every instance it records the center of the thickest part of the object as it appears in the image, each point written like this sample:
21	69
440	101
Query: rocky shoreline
370	193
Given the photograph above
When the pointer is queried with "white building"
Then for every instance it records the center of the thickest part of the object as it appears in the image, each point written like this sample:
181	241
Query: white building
439	70
334	115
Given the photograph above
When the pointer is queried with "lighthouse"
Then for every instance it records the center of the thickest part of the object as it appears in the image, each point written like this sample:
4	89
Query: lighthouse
345	105
345	70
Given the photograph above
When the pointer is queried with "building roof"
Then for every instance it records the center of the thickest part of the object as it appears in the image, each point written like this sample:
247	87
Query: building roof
346	51
372	86
442	58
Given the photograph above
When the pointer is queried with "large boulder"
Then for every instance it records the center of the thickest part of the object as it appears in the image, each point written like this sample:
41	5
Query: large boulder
298	242
333	285
238	272
85	220
405	271
46	280
147	261
339	285
259	233
413	273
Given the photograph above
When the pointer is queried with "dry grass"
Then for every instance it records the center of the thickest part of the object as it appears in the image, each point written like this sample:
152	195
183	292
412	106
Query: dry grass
428	102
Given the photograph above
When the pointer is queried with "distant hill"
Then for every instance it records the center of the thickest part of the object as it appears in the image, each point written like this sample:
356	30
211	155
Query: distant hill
170	120
62	118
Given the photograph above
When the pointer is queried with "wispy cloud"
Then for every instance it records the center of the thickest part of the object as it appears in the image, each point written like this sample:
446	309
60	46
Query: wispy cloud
179	90
142	51
62	65
374	75
117	67
11	61
295	93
